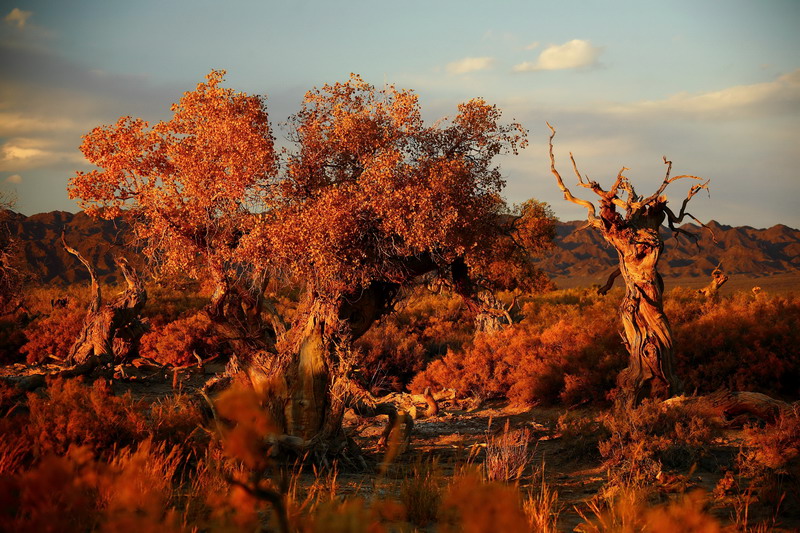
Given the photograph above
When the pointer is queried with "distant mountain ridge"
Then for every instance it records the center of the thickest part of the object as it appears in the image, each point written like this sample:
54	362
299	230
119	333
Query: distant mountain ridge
578	252
742	250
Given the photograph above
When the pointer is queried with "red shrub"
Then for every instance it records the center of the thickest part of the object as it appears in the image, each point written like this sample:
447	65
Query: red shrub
742	344
53	335
177	342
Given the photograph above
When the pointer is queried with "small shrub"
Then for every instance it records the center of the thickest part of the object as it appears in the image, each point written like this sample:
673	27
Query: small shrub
471	505
72	413
644	438
771	460
421	494
52	336
507	454
177	343
542	508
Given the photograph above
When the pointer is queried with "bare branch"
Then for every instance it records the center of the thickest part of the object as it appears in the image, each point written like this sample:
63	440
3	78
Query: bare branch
602	291
668	180
592	212
96	295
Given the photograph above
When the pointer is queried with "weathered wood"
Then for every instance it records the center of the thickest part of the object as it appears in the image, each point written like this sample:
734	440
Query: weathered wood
727	405
718	279
634	232
111	331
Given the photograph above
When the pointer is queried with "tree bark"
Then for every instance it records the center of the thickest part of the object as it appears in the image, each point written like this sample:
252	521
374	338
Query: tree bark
111	332
316	364
646	330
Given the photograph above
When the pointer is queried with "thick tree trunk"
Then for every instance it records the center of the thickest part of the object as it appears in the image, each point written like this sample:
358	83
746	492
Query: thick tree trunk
111	332
646	330
315	362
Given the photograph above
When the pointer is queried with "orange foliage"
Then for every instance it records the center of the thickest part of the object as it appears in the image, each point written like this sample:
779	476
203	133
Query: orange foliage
474	506
184	182
400	346
53	335
742	343
569	353
72	413
177	343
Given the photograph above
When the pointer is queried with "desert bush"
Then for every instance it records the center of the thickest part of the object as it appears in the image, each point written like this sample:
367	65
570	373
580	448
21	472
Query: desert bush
571	354
646	437
542	507
770	459
629	510
177	342
424	327
507	454
71	413
391	355
52	336
581	435
177	420
742	343
472	505
75	492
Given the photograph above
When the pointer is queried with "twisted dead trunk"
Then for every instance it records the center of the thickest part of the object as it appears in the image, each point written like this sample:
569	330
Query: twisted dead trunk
646	330
111	332
634	232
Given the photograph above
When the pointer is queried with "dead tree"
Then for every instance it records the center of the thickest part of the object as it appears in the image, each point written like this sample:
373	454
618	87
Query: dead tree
718	279
111	331
632	226
492	316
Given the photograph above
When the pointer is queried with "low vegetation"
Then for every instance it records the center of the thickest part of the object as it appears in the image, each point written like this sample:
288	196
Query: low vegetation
78	455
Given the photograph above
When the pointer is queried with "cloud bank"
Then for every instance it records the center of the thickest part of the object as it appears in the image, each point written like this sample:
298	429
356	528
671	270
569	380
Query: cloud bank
574	54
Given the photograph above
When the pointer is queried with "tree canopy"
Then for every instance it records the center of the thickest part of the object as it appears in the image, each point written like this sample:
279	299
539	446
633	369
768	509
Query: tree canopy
367	192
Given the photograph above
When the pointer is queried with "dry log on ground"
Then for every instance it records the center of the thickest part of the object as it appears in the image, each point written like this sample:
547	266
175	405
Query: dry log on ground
727	405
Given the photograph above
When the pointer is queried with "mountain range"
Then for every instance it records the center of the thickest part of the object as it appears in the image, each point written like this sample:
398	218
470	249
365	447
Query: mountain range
579	252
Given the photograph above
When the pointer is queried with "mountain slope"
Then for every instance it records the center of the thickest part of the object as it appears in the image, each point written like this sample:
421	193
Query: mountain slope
578	252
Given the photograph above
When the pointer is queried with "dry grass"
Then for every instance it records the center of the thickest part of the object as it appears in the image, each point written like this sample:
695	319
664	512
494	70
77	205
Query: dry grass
507	454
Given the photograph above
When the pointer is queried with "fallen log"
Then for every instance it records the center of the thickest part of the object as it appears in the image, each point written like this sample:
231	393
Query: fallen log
727	405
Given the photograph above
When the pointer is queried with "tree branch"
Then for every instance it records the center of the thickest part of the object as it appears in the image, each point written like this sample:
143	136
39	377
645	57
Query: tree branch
592	212
96	302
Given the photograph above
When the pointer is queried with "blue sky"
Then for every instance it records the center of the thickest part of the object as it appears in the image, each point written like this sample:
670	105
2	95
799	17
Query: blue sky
713	85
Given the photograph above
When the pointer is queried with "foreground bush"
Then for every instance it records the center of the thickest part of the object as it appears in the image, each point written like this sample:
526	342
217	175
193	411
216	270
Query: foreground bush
179	343
561	352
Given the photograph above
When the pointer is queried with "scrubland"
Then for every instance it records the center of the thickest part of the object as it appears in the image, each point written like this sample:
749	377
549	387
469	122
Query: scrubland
530	436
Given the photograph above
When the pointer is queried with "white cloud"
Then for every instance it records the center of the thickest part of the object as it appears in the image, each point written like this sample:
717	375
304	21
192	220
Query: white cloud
16	123
27	153
532	46
14	178
18	17
779	96
469	64
573	54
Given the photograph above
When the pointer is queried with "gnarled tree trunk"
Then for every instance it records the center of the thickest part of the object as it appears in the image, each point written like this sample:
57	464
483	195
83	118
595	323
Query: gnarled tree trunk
634	232
646	330
111	332
314	362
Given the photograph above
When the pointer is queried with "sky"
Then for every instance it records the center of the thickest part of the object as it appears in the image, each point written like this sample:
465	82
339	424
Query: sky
713	85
